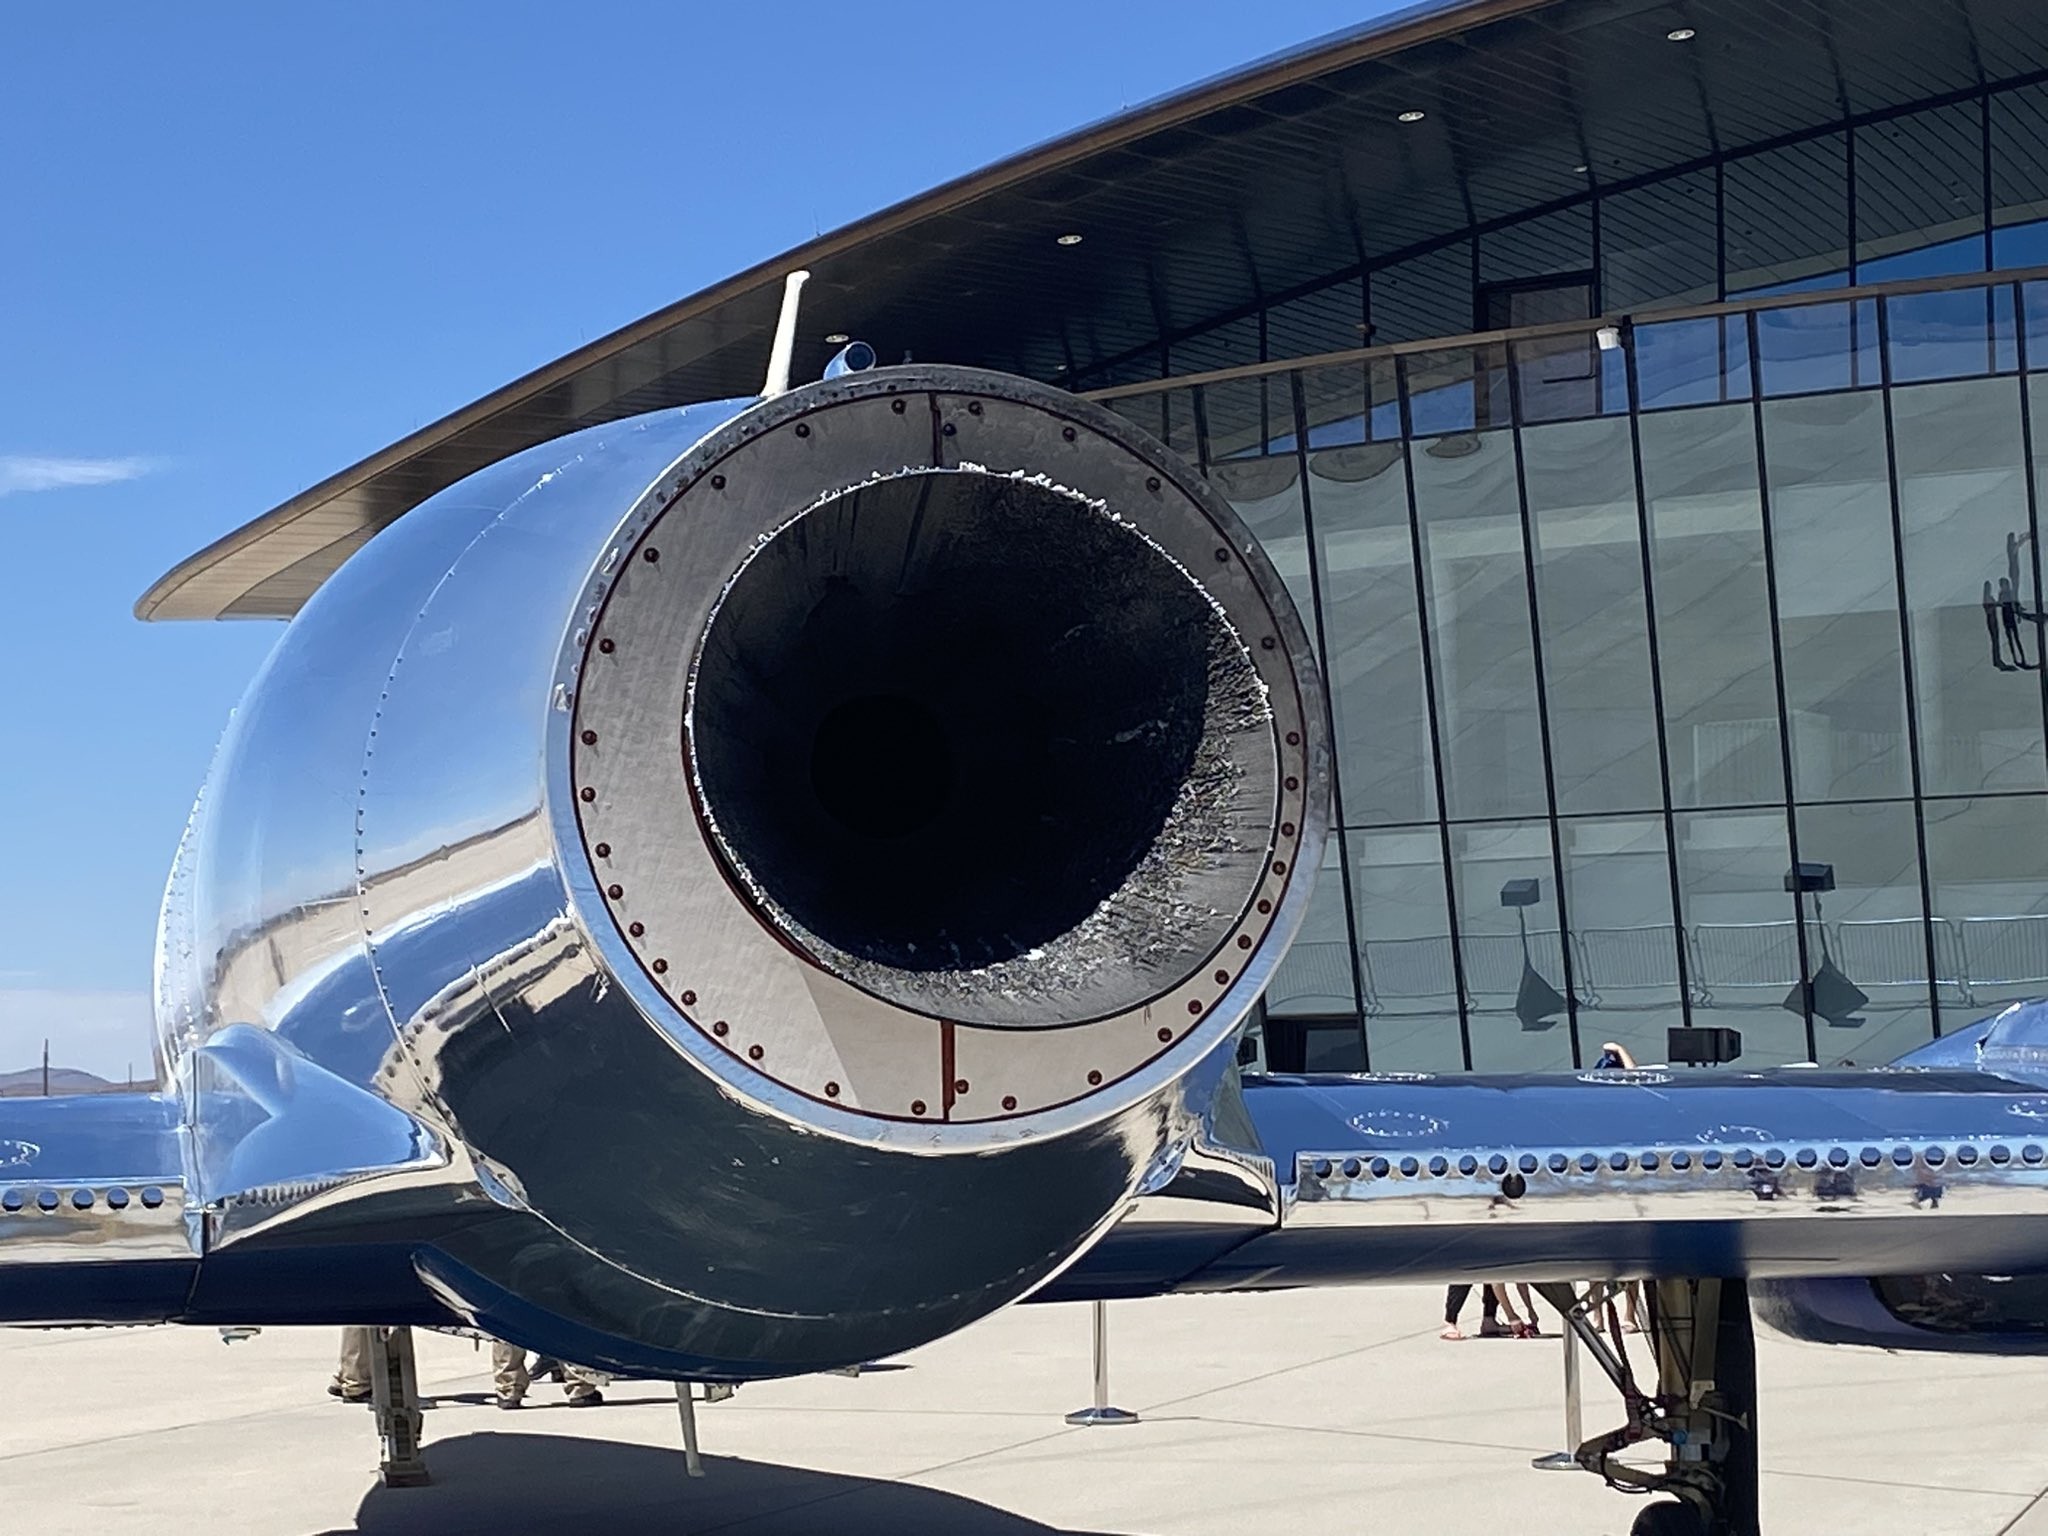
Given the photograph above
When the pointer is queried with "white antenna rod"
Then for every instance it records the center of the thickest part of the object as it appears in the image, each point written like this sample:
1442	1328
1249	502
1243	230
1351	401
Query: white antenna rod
777	382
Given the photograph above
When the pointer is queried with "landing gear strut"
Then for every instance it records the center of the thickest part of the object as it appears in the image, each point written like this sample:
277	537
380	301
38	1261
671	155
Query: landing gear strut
1703	1405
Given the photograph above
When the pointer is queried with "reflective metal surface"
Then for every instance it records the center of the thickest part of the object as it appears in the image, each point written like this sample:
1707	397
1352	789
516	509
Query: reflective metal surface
476	977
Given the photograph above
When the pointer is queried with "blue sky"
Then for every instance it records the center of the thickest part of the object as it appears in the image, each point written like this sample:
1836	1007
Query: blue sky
248	244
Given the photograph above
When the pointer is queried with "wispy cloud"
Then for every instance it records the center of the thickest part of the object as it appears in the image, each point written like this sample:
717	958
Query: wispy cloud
32	472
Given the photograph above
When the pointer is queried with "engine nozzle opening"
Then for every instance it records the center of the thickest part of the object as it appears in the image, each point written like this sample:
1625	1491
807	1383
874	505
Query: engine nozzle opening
979	746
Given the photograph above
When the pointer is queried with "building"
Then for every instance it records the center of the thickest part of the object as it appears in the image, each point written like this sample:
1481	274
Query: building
1645	403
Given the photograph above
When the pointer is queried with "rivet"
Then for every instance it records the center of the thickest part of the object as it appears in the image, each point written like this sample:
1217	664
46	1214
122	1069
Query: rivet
1279	866
1151	482
1244	941
1223	557
590	738
689	999
615	891
831	1090
606	646
650	555
1268	643
950	429
720	1027
897	407
1265	905
754	1053
660	967
1222	977
1094	1079
960	1085
1294	738
586	794
1165	1034
917	1106
803	429
1067	433
1009	1101
1287	829
974	407
1194	1005
1293	783
636	929
603	850
718	482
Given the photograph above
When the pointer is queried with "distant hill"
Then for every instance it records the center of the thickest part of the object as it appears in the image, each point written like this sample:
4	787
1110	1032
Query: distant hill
29	1082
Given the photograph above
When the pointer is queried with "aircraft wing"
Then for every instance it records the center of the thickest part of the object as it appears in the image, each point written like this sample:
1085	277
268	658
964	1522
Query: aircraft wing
1616	1174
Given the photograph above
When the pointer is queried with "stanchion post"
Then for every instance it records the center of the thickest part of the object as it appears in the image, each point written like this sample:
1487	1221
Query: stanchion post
1567	1460
686	1408
1100	1412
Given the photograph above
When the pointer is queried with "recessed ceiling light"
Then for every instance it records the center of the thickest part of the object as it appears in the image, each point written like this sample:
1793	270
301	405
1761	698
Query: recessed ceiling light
1680	35
1580	170
837	339
1411	116
1069	239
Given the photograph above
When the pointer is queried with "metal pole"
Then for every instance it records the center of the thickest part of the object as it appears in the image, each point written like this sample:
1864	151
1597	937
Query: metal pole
1100	1411
1567	1460
686	1406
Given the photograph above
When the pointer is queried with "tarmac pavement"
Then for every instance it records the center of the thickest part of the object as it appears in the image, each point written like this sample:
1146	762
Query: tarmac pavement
1311	1412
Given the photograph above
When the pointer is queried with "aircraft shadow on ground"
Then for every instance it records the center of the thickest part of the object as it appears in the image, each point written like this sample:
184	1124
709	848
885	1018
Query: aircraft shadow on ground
519	1482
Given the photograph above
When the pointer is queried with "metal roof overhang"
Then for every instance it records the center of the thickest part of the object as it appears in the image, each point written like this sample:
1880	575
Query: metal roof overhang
1195	207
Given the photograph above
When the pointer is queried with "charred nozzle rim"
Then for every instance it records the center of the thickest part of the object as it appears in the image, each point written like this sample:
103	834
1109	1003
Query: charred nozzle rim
764	1016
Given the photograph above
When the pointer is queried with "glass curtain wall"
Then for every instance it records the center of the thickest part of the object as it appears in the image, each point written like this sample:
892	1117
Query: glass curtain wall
1605	664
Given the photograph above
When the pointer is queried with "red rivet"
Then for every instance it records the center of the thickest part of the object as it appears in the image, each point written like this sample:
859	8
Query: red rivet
1222	977
1094	1079
1294	738
831	1090
1265	905
636	929
917	1106
606	646
1287	829
1279	866
1293	783
720	1028
586	794
960	1085
603	850
1165	1033
1244	941
1194	1005
615	891
661	967
753	1053
590	738
1009	1101
689	999
650	555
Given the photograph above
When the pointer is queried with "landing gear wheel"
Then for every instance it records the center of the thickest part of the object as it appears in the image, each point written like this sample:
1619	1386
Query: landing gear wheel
1668	1517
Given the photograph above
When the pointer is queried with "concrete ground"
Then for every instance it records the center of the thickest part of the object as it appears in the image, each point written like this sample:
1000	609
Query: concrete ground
1301	1414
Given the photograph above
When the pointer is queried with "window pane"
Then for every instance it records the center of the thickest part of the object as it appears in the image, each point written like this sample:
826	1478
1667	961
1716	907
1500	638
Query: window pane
1950	335
1425	296
1513	953
1987	865
1920	194
1580	481
1713	606
1624	939
1657	244
1478	610
1397	882
1969	578
1374	668
1830	501
1870	928
1807	348
1691	362
1314	979
1788	214
1740	931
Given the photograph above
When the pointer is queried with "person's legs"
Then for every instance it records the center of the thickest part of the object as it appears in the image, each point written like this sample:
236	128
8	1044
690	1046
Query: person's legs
1454	1303
508	1373
352	1374
583	1385
1489	1314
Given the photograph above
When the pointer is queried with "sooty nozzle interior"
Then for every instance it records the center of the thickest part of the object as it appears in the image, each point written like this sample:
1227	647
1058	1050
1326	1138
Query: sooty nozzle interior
974	743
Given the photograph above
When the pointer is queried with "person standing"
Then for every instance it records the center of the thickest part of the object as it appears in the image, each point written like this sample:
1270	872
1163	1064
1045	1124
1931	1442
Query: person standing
352	1374
510	1378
